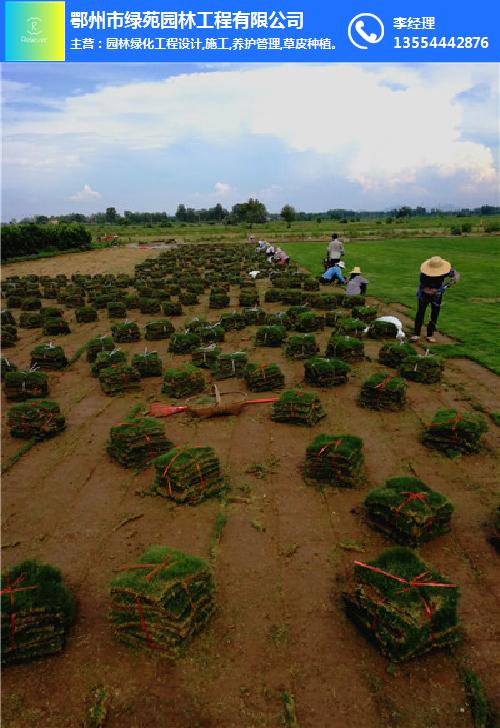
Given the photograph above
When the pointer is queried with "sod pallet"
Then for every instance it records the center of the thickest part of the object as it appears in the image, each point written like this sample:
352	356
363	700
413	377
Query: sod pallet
403	605
249	297
234	321
218	299
30	320
455	432
309	321
85	314
322	372
347	348
171	308
383	392
422	368
351	327
298	408
20	386
158	330
35	420
119	378
6	366
126	332
7	317
310	284
254	316
334	460
272	295
148	363
149	305
294	312
408	511
211	333
279	318
301	346
263	377
392	355
355	301
334	316
116	309
205	356
137	441
187	475
8	336
97	344
55	326
37	611
183	381
270	336
184	342
48	356
106	359
159	604
31	303
365	313
382	330
230	365
188	298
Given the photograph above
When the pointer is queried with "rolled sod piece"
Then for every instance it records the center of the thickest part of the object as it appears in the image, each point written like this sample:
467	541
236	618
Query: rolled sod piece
254	316
188	298
105	359
230	365
408	511
403	605
183	381
270	336
85	314
157	330
119	378
382	330
383	392
455	432
48	356
20	386
234	321
187	475
37	611
298	408
35	420
8	335
272	295
249	297
309	321
347	348
116	309
7	317
205	356
125	332
184	342
149	305
392	355
321	372
171	308
55	326
301	346
148	364
353	301
263	377
97	344
351	327
424	369
219	299
335	460
6	366
365	313
137	441
279	318
161	602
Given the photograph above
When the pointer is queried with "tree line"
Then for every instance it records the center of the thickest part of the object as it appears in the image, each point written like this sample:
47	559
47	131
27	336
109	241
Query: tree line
21	240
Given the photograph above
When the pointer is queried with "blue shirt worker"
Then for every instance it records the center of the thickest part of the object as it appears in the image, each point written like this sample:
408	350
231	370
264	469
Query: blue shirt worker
334	274
432	286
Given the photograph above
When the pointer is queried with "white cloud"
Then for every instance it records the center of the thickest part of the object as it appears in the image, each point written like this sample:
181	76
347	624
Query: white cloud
86	194
222	188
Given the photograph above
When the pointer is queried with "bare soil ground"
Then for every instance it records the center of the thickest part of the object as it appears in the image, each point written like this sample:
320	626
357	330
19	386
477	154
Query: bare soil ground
280	565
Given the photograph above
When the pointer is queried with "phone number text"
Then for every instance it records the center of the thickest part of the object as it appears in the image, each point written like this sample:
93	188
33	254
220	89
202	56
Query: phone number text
424	41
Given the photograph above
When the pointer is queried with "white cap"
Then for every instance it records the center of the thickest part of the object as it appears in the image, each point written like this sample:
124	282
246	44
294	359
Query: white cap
341	264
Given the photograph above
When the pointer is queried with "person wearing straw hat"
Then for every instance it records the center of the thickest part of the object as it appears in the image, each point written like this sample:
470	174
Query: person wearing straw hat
356	285
432	286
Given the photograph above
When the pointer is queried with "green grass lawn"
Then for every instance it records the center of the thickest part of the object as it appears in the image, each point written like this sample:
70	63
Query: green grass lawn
469	312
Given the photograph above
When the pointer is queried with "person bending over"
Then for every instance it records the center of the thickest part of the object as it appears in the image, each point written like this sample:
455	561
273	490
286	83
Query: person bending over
333	274
356	285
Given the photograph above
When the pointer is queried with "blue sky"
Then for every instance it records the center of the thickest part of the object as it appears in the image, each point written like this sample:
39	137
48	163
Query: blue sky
82	137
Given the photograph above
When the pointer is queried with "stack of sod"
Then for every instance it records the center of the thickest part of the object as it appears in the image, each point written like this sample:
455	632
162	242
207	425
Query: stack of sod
403	605
334	317
55	326
106	359
301	346
352	301
157	330
183	381
31	303
188	298
230	365
325	372
159	604
148	364
351	327
30	320
270	336
116	309
325	301
272	295
119	378
205	356
218	299
249	297
184	342
294	311
35	420
232	321
97	344
149	305
131	301
309	321
455	432
7	317
14	301
20	386
52	312
210	333
171	308
48	356
347	348
263	377
383	391
254	316
408	511
37	611
393	354
128	331
187	475
310	284
292	296
298	407
6	366
137	441
382	330
85	314
365	313
335	460
8	335
425	369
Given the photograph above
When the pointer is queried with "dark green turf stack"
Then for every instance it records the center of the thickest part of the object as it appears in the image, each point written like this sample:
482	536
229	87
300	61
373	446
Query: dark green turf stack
270	336
106	359
249	297
48	356
233	321
148	364
294	311
351	327
85	314
119	378
335	460
6	366
7	317
383	392
183	381
263	377
20	386
325	301
365	313
210	333
408	511
56	326
293	296
187	475
272	295
157	330
298	408
352	301
52	312
455	432
392	355
279	318
334	317
218	298
382	330
205	356
37	611
149	305
30	320
171	308
97	344
116	309
424	369
184	342
35	420
310	284
8	336
254	316
403	619
322	372
230	365
31	303
160	607
137	441
347	348
309	321
125	332
301	346
188	298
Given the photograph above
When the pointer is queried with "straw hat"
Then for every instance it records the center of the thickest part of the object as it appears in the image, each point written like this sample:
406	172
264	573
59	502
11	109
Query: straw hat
356	269
435	266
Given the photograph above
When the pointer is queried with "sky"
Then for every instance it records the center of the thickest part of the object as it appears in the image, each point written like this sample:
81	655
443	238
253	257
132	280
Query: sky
82	137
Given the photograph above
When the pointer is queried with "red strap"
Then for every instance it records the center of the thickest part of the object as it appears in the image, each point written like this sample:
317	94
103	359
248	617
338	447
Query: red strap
10	589
421	496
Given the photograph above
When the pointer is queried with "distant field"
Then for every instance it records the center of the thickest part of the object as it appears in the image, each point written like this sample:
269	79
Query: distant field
470	312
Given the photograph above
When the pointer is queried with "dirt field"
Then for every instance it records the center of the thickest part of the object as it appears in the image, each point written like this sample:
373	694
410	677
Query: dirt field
280	566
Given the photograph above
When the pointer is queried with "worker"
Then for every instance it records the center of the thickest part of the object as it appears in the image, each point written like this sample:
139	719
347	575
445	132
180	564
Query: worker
430	291
334	274
356	285
335	249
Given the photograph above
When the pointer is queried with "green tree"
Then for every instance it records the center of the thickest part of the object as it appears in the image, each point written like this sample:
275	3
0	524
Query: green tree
251	211
288	214
111	214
